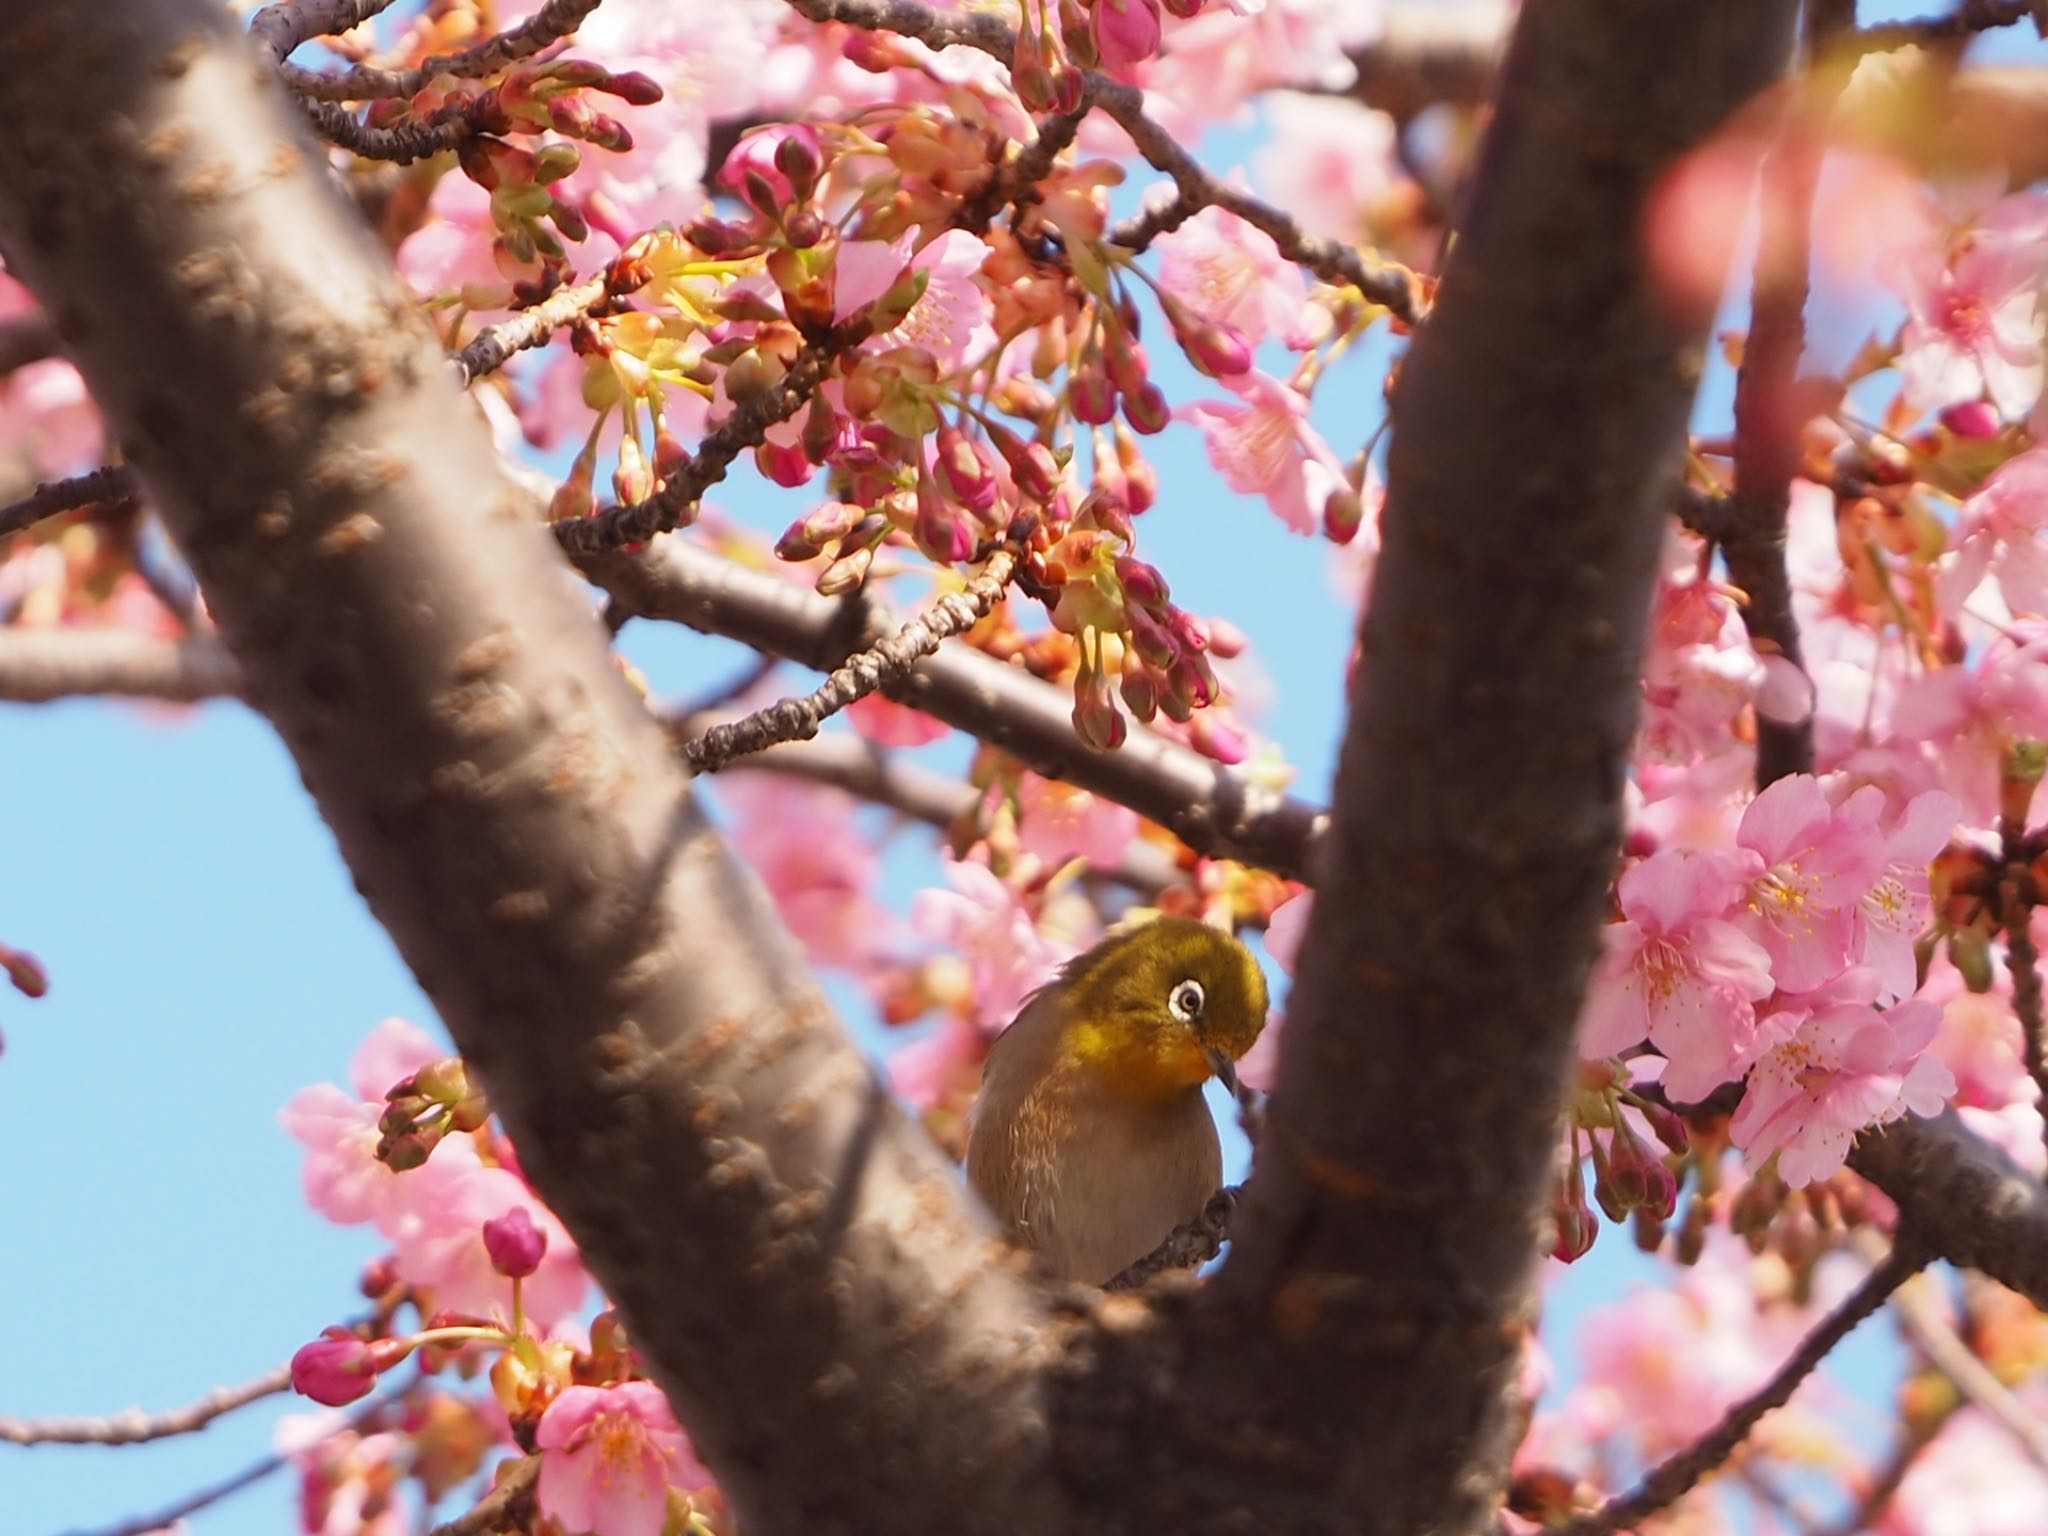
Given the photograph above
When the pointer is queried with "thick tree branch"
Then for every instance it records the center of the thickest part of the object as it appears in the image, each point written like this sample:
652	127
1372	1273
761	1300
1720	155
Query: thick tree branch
800	1268
1975	1382
41	666
1673	1479
1358	1348
25	339
1210	808
1963	1198
134	1426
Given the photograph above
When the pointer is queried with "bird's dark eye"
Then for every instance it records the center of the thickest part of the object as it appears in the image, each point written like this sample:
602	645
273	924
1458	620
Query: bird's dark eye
1184	1002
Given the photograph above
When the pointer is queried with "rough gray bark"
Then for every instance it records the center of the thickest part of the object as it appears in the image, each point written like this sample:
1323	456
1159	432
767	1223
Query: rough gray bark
800	1267
1349	1368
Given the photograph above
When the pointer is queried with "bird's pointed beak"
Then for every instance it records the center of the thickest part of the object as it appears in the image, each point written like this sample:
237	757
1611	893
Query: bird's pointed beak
1224	1068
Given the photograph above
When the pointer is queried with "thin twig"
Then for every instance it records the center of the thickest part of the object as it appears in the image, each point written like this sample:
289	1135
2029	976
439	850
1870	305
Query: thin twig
1187	1245
110	485
192	1503
1213	809
489	349
1975	1382
1888	1479
886	662
250	1475
618	525
402	143
365	82
1767	428
1678	1476
1383	283
509	1504
1967	19
134	1426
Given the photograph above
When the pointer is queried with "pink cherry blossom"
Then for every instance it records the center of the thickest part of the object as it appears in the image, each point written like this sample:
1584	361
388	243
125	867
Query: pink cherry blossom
880	719
1975	323
440	1244
2004	529
1975	711
1286	927
1831	1066
1678	970
1058	822
344	1181
1231	272
1262	443
983	922
1968	1482
806	844
1126	32
1330	162
1980	1038
1896	909
1817	867
927	1069
1662	1365
610	1456
47	417
951	321
348	1482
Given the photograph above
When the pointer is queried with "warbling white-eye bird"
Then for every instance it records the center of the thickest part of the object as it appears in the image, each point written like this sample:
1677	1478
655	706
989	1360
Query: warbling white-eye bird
1090	1139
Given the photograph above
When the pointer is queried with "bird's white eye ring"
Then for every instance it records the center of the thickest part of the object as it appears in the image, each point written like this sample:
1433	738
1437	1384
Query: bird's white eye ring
1184	1002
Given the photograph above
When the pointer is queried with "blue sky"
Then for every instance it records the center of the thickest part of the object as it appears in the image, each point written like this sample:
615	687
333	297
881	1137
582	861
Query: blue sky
208	957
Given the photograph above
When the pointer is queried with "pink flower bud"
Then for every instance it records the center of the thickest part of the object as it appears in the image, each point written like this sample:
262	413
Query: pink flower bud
1218	350
1216	738
1096	716
1128	369
1972	418
963	470
1149	638
1576	1230
800	157
940	531
784	463
337	1368
1142	582
515	1244
1147	410
846	573
1092	396
1031	464
1343	515
1125	32
632	481
24	971
1184	9
808	535
1140	694
1226	639
1106	509
631	87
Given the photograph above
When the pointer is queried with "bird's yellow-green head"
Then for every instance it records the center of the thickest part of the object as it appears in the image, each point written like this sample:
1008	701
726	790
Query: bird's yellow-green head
1161	1008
